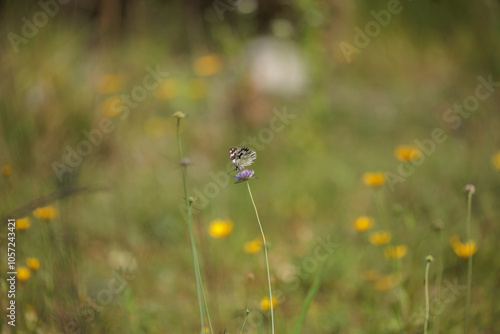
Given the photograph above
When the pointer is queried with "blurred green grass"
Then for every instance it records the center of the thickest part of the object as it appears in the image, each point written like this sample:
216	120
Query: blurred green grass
348	121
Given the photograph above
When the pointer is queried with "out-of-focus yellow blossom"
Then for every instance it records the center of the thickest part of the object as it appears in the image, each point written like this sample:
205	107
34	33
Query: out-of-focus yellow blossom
496	160
111	107
23	274
407	153
265	303
220	228
33	263
380	238
110	83
374	179
253	246
397	252
197	89
207	65
7	169
463	250
46	213
387	282
167	89
363	223
23	223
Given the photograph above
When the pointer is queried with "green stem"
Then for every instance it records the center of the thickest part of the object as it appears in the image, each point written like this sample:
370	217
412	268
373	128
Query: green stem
469	269
245	321
310	296
199	285
426	296
439	278
267	259
395	268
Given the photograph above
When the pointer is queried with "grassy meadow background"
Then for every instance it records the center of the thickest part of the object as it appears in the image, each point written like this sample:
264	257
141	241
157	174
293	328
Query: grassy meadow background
110	252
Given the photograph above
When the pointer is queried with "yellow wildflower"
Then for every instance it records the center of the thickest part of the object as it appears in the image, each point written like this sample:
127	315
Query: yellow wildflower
397	252
463	250
23	273
46	213
496	160
380	238
197	89
33	263
265	303
23	223
363	223
253	246
7	170
374	179
110	83
167	89
207	65
387	282
407	153
220	228
111	107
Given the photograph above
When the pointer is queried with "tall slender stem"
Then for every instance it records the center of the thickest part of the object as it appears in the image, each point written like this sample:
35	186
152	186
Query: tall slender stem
267	258
439	278
199	285
310	296
429	260
469	269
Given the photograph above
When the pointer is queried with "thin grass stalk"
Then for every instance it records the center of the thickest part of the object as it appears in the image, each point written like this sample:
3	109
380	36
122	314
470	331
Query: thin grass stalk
309	298
469	269
199	285
267	259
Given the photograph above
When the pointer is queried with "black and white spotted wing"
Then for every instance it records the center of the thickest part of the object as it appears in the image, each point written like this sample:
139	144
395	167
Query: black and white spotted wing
241	157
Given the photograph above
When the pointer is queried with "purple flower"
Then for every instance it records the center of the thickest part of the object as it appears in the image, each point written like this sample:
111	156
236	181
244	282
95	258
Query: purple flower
244	175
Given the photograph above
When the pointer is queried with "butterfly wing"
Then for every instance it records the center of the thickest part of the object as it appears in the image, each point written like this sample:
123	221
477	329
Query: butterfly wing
241	157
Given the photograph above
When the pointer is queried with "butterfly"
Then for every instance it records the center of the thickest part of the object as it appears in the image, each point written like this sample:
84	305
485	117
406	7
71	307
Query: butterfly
241	157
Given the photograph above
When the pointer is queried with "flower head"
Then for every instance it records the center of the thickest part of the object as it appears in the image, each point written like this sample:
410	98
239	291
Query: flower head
207	65
380	238
23	223
395	252
388	282
33	263
253	246
110	83
7	170
374	179
23	274
244	175
470	189
265	303
463	250
496	160
363	223
220	228
407	153
46	213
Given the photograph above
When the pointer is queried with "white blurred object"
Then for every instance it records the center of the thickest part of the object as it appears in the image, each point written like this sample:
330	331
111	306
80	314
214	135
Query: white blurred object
276	67
122	260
